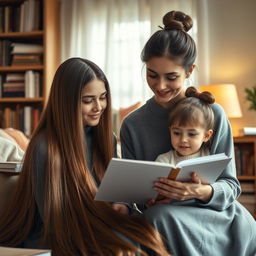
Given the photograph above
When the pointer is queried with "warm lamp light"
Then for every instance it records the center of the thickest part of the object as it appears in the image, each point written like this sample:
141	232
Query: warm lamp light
226	96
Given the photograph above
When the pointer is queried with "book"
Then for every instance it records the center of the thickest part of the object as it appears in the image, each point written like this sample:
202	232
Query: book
36	115
10	251
20	48
28	120
1	86
248	131
131	181
29	84
14	77
7	117
10	167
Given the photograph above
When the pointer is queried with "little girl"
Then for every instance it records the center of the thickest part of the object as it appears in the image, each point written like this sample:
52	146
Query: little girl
191	127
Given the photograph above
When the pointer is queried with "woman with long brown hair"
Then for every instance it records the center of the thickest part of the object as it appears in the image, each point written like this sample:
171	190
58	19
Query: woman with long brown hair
53	204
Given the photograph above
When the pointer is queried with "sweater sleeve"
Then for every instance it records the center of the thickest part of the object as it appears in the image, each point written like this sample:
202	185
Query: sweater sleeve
127	147
227	188
115	145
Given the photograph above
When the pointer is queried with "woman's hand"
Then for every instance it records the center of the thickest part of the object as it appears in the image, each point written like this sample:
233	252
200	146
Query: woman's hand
152	202
183	190
122	208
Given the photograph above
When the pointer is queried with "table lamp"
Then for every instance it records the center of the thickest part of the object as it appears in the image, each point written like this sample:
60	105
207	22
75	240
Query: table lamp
226	96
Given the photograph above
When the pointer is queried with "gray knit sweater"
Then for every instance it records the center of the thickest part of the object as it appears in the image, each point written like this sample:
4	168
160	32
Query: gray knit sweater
145	135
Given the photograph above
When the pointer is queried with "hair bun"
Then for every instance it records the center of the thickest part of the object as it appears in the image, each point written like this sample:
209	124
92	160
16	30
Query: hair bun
176	20
205	96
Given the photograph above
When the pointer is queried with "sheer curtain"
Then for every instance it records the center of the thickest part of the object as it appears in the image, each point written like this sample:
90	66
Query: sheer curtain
112	33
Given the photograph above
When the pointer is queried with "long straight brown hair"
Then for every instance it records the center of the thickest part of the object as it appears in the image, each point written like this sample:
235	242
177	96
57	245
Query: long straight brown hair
73	223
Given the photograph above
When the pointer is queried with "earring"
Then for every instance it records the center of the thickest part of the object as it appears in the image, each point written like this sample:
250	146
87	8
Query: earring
188	81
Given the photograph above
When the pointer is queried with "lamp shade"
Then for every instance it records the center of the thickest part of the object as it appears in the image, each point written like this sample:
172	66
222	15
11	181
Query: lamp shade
226	96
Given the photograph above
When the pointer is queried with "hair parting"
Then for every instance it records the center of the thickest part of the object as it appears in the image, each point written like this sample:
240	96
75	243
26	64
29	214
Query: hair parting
188	110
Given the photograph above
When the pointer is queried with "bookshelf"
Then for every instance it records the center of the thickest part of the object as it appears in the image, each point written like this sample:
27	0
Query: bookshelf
245	156
26	77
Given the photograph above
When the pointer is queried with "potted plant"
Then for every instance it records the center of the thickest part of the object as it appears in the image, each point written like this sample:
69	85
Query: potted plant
251	97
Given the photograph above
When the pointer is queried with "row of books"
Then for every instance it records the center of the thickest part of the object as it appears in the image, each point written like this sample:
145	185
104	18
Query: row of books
26	84
25	119
244	157
21	17
12	54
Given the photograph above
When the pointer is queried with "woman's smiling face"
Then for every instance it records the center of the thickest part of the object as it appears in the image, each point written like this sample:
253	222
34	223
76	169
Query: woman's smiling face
165	78
94	102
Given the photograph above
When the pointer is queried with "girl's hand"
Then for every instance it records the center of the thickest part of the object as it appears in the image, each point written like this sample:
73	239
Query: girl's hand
150	202
184	190
122	208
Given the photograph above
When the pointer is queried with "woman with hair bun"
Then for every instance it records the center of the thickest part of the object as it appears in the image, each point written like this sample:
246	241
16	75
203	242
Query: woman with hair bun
205	219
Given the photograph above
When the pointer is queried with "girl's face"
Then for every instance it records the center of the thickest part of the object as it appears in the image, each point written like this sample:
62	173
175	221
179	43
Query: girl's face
187	140
94	102
165	78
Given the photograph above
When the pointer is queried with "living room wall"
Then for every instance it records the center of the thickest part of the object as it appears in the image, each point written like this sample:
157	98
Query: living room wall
230	49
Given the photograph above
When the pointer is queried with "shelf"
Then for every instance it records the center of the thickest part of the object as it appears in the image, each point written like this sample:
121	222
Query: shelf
16	111
15	100
244	177
245	139
245	153
32	34
21	68
8	2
